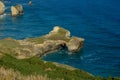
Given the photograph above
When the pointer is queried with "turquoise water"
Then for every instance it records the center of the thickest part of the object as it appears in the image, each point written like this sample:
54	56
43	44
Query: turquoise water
98	21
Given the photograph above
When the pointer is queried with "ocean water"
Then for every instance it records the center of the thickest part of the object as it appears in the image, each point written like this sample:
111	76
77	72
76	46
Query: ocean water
98	21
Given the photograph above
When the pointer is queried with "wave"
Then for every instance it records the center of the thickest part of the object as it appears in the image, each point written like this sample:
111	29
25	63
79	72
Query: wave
3	16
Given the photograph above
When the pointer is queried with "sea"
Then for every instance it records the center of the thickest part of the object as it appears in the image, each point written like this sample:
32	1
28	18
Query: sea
97	21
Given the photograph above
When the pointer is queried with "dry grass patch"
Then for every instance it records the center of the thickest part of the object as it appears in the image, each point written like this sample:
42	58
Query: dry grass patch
10	74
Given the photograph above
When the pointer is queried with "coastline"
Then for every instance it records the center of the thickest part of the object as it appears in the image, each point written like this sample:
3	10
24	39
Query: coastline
58	38
25	56
32	49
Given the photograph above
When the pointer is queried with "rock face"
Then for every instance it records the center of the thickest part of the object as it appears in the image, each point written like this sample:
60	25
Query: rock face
30	3
2	7
16	10
75	44
19	7
58	38
47	47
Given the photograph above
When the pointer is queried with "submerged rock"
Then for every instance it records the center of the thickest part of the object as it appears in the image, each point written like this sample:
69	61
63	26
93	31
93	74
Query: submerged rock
2	7
16	10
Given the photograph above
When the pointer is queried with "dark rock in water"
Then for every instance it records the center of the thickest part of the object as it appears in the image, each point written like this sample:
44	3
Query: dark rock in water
17	10
2	7
75	44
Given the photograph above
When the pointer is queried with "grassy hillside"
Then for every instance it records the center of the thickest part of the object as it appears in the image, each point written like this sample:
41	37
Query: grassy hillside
19	61
36	66
10	74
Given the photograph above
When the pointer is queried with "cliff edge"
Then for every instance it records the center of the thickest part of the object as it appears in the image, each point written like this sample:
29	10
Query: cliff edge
57	39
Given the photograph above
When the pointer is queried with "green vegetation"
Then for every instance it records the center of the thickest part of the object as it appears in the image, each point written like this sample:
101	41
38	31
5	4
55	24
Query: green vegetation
17	58
28	47
7	45
38	40
37	66
10	74
110	78
60	35
13	47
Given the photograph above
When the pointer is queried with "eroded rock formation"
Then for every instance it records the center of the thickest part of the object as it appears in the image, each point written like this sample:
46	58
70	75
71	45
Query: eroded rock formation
16	10
2	7
58	38
75	44
30	3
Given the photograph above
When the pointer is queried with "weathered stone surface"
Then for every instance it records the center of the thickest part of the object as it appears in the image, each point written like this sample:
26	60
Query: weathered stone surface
19	7
30	3
16	10
58	38
59	30
2	7
75	44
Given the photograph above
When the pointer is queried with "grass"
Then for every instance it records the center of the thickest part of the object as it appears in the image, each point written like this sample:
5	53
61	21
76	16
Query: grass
38	40
37	66
7	45
34	68
10	74
13	47
25	48
60	35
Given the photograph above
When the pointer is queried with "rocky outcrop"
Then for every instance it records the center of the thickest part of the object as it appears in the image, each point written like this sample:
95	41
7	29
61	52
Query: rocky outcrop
59	31
19	7
16	10
48	46
2	7
30	3
58	38
75	44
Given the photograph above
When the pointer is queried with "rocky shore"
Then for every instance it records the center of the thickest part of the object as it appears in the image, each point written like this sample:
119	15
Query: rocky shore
23	56
15	10
58	38
2	7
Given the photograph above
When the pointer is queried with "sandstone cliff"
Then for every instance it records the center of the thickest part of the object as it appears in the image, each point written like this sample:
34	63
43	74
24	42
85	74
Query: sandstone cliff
2	7
58	38
17	10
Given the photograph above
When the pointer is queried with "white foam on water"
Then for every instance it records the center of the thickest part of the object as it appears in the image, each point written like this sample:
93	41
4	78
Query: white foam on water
3	16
